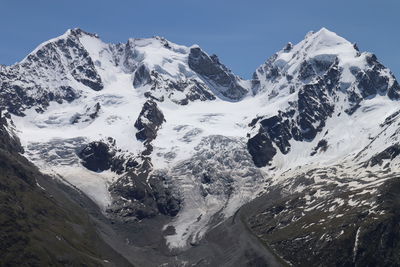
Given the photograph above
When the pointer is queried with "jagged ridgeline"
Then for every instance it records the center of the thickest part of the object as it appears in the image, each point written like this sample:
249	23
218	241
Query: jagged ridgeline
175	160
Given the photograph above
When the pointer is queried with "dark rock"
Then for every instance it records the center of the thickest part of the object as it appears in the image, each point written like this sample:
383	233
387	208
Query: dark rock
81	64
102	155
148	194
69	94
306	71
149	121
170	230
8	142
355	100
95	111
167	202
261	149
288	47
279	131
96	156
322	146
389	153
197	91
213	71
313	109
141	76
394	91
332	77
269	70
390	119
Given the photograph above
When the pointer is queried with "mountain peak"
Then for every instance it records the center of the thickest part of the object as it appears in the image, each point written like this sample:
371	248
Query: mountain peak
321	44
327	37
323	34
71	35
323	55
324	31
78	32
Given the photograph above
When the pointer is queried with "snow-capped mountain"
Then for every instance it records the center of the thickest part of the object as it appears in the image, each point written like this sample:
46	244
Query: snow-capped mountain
97	130
331	148
322	80
158	133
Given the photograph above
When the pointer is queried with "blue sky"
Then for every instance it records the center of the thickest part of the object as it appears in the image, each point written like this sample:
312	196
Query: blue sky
242	33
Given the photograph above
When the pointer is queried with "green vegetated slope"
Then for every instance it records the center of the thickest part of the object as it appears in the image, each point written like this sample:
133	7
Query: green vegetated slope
39	228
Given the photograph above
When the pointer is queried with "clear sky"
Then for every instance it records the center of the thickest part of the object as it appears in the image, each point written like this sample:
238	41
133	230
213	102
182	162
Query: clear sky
242	33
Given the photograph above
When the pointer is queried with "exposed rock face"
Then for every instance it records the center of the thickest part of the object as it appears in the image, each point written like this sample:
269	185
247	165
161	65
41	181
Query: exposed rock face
261	149
99	156
214	72
90	114
301	122
8	142
195	90
96	156
373	80
142	76
149	121
139	196
322	146
192	90
389	154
